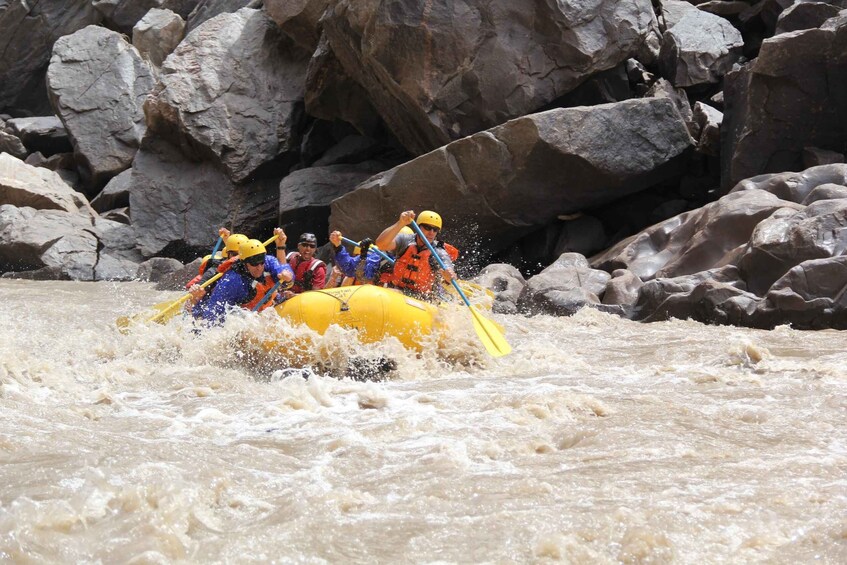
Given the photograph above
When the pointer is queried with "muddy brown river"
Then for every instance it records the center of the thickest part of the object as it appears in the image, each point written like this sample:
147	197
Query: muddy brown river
598	440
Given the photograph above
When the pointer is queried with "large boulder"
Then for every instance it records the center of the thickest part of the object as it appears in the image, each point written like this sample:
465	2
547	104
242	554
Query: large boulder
124	14
157	34
115	194
506	282
790	237
66	245
97	82
178	204
232	90
697	47
37	187
714	297
503	183
694	241
563	288
438	71
305	195
796	187
790	97
45	134
27	32
208	9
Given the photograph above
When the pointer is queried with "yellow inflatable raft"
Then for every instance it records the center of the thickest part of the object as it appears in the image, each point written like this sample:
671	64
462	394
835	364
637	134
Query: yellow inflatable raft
376	312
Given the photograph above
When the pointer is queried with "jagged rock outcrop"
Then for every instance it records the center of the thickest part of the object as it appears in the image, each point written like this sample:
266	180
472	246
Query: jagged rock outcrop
66	245
525	173
29	30
157	34
802	76
697	47
115	194
97	82
208	9
124	14
233	92
39	188
804	15
442	71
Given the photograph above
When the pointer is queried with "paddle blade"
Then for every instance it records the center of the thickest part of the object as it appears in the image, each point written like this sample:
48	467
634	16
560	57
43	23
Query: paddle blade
493	340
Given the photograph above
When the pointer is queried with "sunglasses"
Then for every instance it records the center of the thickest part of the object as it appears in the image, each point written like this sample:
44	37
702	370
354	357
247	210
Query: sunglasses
255	260
307	244
428	227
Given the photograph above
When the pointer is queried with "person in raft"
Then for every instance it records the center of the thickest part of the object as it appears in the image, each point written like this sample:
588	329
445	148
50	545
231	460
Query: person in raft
415	270
222	260
362	267
309	271
245	285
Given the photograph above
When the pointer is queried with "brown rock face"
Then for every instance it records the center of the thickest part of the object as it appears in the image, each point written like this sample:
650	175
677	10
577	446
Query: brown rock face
439	71
523	174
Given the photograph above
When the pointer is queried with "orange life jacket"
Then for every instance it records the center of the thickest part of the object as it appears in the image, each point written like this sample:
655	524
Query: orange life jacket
412	270
258	289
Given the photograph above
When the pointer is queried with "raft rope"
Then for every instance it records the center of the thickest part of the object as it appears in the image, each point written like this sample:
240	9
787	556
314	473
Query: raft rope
344	305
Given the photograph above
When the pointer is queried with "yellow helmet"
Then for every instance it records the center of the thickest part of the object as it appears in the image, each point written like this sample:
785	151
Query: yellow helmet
407	230
251	248
233	242
429	217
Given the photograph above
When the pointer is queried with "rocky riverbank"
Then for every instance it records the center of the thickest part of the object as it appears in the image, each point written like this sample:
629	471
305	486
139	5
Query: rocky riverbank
653	159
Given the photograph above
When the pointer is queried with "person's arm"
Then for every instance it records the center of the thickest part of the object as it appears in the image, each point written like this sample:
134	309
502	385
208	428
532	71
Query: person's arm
281	238
385	240
346	262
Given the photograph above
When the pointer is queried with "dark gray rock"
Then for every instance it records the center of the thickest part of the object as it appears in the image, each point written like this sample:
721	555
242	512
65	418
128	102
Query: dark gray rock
177	280
805	15
439	74
716	296
802	76
115	194
45	134
695	241
97	82
506	282
790	237
525	173
157	268
563	288
709	122
697	47
796	187
12	145
813	157
70	245
124	14
28	32
232	91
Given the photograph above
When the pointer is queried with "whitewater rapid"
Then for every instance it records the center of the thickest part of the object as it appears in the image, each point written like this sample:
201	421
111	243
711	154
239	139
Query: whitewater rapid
599	440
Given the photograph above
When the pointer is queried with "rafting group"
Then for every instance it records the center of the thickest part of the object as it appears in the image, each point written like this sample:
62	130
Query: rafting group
389	287
253	279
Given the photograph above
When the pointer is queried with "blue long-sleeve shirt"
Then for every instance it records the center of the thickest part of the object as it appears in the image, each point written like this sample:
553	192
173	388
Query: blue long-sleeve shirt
351	265
234	289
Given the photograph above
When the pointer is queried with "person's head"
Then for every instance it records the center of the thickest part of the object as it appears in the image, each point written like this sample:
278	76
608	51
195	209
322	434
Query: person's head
252	254
306	245
407	230
430	224
233	243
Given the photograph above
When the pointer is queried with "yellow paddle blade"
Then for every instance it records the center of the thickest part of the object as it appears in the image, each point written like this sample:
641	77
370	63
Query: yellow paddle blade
493	340
165	310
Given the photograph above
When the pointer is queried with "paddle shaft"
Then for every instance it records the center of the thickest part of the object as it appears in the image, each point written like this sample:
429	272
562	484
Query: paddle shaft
379	251
183	299
441	264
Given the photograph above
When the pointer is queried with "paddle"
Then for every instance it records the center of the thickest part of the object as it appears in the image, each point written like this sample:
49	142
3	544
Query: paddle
494	341
379	251
166	309
267	296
